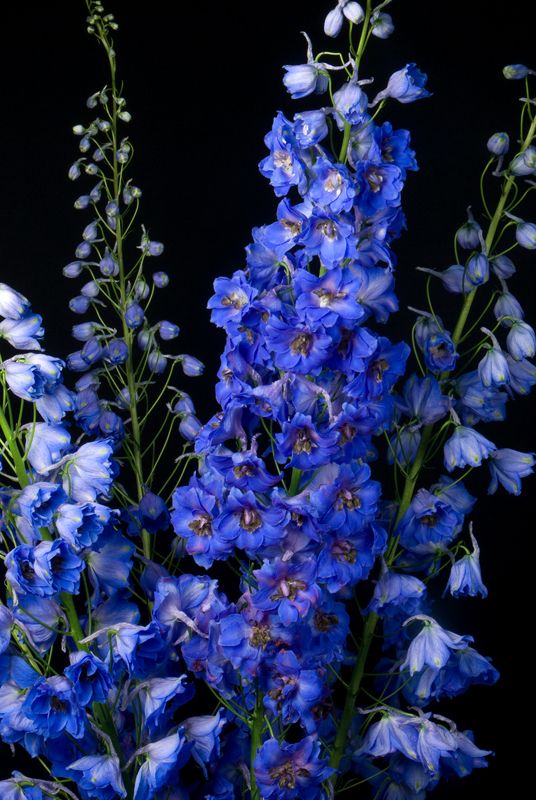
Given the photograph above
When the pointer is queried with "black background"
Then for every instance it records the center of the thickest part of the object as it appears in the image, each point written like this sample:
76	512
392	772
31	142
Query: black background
203	81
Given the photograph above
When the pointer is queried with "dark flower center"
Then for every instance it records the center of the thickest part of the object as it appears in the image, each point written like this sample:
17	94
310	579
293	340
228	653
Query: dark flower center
235	299
57	705
324	621
250	520
347	499
201	525
303	442
343	550
301	344
374	179
260	636
328	229
428	519
286	774
28	572
289	588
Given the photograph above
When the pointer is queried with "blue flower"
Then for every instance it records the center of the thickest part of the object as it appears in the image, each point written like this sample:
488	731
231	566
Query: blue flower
109	562
52	707
204	734
406	85
332	186
13	304
466	448
432	645
423	401
284	166
465	577
291	771
304	444
159	697
521	341
293	691
303	79
161	761
87	472
350	500
507	467
101	777
286	587
23	333
42	618
90	678
297	345
246	523
395	593
428	520
330	237
344	8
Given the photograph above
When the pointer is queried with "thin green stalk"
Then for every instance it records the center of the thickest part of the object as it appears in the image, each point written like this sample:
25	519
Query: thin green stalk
256	741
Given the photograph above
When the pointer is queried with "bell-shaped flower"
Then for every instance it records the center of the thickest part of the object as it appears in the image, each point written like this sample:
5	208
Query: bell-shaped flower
100	777
465	577
466	448
507	467
432	646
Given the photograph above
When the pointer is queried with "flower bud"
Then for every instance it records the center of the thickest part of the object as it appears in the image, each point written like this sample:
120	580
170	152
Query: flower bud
134	316
160	279
79	304
503	267
116	351
499	143
141	289
168	330
521	341
191	366
468	235
156	361
382	25
90	289
189	427
83	250
107	265
83	331
515	72
477	270
73	269
524	163
526	235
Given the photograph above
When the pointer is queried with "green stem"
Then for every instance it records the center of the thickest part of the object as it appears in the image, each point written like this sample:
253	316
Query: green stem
256	741
12	443
127	333
354	686
359	55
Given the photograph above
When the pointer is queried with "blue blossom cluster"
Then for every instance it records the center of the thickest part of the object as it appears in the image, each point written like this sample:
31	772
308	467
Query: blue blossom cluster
322	661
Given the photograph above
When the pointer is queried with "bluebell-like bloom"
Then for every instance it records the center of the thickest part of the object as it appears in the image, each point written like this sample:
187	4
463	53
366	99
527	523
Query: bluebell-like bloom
466	448
499	143
423	401
291	771
507	467
100	777
521	341
465	577
303	79
344	8
432	645
48	444
516	72
41	618
109	562
203	733
87	473
13	304
159	697
23	333
395	593
350	104
477	270
406	85
525	236
161	761
493	367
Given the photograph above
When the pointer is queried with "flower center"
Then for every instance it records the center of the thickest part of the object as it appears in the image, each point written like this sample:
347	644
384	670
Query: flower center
201	525
301	344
